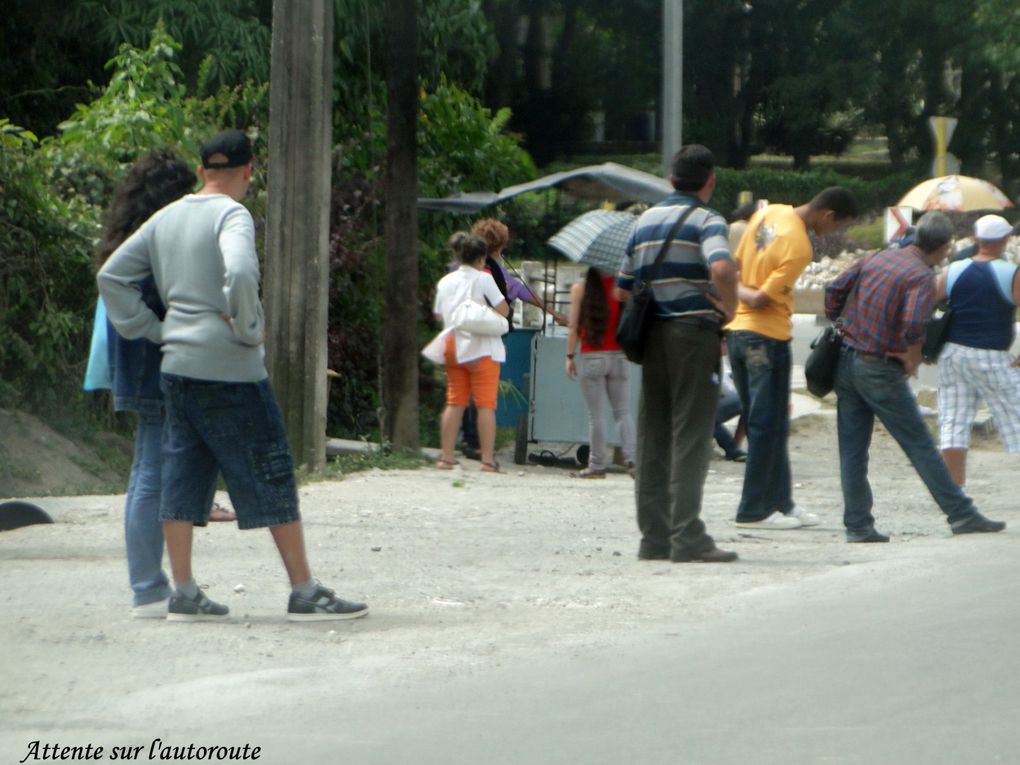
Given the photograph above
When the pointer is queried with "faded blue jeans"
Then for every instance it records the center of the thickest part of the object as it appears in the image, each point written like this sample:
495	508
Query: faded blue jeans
604	377
868	387
143	532
761	373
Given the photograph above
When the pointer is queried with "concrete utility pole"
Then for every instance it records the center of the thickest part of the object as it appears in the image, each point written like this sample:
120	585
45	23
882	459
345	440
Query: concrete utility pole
672	80
400	324
297	232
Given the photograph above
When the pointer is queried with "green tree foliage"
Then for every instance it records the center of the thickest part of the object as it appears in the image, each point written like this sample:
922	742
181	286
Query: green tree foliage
51	51
144	106
234	35
45	278
46	68
454	41
54	193
462	147
998	24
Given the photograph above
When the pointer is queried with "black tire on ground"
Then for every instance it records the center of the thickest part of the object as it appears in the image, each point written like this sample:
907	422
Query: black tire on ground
14	515
583	454
521	441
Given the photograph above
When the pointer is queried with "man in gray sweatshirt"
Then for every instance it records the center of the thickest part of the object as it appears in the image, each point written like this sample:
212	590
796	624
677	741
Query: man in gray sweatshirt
220	411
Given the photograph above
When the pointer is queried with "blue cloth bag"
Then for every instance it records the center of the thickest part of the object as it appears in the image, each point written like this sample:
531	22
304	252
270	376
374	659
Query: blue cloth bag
97	374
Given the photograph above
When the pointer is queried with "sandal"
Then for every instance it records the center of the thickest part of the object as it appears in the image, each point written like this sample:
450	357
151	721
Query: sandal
442	464
220	513
491	467
589	473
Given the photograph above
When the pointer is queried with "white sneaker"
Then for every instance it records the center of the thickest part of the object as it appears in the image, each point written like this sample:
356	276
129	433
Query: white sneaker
805	518
154	610
776	521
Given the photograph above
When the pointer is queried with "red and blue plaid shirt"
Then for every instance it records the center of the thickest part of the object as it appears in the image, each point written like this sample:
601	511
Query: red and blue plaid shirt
892	305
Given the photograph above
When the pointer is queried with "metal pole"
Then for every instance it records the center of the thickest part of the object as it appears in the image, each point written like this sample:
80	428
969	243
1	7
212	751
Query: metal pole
672	80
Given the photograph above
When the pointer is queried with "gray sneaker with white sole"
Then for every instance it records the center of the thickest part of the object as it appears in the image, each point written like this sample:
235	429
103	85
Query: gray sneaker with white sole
323	606
197	609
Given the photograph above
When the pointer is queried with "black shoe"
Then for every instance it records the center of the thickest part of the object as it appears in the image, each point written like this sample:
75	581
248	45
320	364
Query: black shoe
470	452
652	553
975	523
184	609
866	535
323	606
711	555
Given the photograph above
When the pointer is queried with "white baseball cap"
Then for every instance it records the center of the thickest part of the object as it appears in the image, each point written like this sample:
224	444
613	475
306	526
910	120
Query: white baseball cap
992	227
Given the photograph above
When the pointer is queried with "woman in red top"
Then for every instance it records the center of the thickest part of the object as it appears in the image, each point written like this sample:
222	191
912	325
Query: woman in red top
594	313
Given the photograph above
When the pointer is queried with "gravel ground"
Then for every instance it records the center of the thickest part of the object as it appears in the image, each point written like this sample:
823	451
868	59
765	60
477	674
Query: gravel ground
462	570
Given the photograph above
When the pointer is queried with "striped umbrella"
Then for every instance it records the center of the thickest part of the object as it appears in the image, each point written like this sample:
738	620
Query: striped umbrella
597	238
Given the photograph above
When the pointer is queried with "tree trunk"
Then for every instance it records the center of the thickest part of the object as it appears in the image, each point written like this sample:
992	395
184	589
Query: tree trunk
502	73
400	329
297	229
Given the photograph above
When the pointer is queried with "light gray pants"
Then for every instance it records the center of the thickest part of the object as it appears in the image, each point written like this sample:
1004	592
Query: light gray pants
604	376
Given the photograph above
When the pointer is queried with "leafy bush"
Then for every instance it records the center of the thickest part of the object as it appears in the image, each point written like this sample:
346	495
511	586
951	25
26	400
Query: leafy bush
45	279
461	146
54	193
797	187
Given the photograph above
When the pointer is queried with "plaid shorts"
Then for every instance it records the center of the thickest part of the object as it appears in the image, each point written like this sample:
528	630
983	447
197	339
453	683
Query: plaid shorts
233	428
968	376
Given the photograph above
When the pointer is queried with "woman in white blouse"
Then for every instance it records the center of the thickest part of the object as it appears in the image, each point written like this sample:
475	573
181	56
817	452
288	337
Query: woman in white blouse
472	361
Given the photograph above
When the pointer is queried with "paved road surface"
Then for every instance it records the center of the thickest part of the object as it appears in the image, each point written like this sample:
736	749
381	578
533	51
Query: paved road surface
876	666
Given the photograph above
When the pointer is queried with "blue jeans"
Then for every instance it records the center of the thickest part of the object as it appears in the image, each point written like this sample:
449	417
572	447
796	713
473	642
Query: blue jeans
143	533
233	428
869	387
761	373
727	408
604	376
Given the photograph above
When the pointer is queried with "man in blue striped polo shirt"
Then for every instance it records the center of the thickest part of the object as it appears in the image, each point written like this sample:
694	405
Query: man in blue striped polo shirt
695	294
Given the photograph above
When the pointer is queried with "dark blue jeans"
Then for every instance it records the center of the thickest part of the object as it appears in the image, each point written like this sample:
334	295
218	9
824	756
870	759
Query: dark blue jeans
233	428
761	373
727	408
869	388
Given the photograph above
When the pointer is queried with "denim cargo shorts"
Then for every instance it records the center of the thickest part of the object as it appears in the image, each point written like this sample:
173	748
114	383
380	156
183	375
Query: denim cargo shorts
232	428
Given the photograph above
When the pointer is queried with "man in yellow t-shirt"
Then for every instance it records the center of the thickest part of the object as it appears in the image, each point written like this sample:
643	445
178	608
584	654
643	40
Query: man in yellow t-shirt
773	252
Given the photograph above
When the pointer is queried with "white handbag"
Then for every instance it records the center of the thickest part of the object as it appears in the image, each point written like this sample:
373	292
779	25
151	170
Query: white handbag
478	319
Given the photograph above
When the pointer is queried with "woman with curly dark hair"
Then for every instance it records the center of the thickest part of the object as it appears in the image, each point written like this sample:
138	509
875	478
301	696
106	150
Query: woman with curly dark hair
594	314
153	182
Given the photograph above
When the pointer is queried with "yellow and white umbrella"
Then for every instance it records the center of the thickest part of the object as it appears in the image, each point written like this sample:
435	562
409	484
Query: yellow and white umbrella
959	193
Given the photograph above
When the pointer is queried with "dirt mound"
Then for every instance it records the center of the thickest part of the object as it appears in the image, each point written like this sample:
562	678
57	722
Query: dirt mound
37	461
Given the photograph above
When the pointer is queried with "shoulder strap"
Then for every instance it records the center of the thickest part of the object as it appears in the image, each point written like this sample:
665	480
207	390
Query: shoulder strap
669	240
853	290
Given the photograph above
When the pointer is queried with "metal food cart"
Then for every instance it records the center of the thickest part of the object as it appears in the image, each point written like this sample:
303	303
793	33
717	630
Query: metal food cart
556	411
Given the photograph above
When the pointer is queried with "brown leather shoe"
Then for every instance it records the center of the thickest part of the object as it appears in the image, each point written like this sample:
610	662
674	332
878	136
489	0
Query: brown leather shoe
711	555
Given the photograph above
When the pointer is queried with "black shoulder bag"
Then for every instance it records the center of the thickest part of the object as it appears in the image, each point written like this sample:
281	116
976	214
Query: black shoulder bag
936	334
820	365
639	311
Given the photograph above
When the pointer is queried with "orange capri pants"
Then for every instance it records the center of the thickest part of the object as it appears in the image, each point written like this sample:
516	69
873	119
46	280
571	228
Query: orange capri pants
478	379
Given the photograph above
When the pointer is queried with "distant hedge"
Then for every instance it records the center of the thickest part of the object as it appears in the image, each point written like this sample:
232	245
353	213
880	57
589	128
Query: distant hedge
796	187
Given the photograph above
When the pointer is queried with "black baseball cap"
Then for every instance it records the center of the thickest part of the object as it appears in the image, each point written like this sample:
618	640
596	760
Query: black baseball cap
232	144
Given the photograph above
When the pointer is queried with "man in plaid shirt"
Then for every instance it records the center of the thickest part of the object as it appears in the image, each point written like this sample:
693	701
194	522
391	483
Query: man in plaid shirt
883	329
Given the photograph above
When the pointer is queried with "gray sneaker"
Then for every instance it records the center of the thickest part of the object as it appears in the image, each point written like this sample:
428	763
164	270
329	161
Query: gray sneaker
323	606
197	609
975	523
